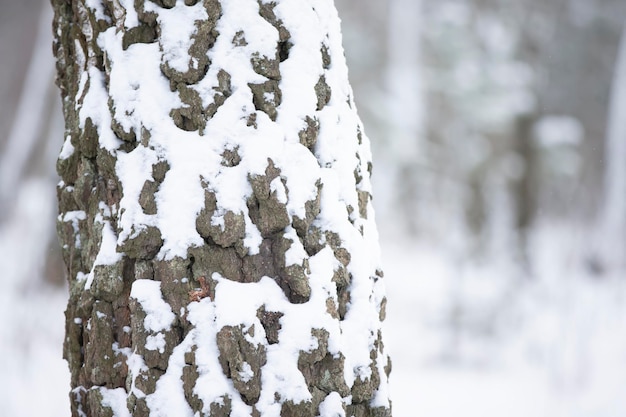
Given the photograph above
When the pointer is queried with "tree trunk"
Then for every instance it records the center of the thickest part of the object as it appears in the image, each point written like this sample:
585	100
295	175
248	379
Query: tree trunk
613	214
215	212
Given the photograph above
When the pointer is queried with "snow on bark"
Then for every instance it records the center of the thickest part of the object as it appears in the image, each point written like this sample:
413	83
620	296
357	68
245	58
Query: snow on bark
229	261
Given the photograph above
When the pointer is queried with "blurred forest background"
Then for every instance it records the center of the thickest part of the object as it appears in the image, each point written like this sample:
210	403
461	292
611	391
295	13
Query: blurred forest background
499	137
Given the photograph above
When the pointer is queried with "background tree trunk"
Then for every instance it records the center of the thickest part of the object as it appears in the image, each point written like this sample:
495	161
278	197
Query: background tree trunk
215	212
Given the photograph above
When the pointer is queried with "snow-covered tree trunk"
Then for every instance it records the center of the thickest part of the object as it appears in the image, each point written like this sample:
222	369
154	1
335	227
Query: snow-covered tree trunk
215	212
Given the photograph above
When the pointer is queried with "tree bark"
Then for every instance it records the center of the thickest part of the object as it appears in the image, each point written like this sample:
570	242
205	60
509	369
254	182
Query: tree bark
215	212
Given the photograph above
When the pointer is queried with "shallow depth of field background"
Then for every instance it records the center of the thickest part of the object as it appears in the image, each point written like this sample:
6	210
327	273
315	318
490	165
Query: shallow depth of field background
498	130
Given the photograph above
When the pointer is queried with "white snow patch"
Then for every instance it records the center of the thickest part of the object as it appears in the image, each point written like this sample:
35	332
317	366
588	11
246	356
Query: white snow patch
67	150
332	406
73	216
94	106
133	169
176	35
253	237
159	315
246	374
135	365
156	342
98	9
296	254
277	186
108	254
130	14
116	400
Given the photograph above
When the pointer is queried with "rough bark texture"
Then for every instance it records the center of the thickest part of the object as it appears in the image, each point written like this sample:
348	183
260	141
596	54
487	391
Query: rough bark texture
138	341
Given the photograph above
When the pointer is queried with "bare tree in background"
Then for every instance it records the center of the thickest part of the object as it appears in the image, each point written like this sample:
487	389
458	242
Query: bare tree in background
215	217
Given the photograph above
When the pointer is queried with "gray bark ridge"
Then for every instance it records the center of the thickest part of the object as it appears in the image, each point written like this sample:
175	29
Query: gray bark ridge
215	213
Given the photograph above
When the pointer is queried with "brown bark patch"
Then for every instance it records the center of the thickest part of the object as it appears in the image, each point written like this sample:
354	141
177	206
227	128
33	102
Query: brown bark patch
270	320
241	361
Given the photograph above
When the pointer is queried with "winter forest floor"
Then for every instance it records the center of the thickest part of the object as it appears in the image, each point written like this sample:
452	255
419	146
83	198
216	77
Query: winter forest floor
466	340
482	345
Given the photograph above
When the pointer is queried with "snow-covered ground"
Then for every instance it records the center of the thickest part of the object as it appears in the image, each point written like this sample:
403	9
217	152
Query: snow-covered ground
479	341
466	340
